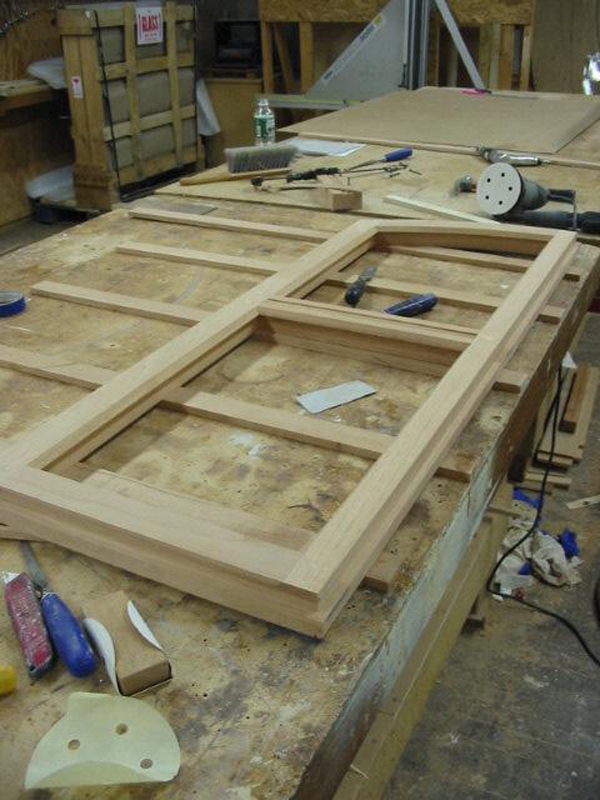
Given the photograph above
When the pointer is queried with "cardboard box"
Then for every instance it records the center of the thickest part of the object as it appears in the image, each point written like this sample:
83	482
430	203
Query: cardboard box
133	658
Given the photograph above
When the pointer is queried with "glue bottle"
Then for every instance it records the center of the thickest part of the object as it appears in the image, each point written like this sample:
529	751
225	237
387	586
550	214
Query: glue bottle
264	123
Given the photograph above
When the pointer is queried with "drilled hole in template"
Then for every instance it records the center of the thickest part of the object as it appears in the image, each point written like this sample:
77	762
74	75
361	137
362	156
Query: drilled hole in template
146	763
74	744
121	728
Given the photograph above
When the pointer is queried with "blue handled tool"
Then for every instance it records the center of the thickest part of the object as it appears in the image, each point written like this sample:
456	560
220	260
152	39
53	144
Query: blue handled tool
395	155
65	631
356	290
414	306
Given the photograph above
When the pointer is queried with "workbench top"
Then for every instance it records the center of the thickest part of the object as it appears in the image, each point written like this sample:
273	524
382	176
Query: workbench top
259	712
430	178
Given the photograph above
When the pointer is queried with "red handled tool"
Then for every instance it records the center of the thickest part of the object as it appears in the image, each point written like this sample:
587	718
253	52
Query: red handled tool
66	633
26	616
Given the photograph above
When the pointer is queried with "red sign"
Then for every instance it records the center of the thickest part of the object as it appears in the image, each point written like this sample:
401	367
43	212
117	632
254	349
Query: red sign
149	25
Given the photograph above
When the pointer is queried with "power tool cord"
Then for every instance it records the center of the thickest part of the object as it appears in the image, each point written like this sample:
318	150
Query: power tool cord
554	410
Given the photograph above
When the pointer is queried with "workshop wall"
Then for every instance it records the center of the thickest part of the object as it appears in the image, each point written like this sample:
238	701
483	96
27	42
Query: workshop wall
564	34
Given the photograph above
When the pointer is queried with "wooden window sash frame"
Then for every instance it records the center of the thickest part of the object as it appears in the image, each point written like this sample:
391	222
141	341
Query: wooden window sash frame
303	588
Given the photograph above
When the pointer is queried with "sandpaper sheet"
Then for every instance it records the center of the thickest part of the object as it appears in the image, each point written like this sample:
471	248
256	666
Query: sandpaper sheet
521	121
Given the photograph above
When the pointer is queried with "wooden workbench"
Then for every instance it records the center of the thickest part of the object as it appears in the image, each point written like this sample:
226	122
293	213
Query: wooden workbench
261	712
431	179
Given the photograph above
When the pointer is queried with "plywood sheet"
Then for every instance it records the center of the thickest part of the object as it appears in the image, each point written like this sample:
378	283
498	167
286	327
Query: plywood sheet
519	121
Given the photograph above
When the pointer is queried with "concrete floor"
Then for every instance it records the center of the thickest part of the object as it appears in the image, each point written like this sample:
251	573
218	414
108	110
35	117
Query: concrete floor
516	712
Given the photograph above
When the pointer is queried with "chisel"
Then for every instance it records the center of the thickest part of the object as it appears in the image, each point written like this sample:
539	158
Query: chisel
357	289
414	306
66	633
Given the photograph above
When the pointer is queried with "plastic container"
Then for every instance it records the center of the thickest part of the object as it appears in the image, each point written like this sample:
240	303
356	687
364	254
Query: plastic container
264	123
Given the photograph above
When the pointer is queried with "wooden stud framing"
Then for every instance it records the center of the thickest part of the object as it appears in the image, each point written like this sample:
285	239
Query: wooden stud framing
303	586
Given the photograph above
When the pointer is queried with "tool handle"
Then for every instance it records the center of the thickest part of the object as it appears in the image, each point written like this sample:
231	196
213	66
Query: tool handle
23	609
218	177
398	155
414	306
587	222
311	174
67	636
561	195
355	292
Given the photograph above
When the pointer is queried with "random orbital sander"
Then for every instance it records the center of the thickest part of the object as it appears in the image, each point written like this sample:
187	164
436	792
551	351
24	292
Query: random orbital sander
506	195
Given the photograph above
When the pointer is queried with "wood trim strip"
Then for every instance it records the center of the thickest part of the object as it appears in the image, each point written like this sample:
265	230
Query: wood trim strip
224	224
466	150
365	323
437	210
112	301
204	258
490	260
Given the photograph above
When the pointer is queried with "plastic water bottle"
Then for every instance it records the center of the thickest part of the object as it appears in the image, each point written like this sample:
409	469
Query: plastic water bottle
264	123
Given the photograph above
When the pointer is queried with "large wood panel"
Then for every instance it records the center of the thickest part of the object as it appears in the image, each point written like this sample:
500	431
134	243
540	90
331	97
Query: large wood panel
534	123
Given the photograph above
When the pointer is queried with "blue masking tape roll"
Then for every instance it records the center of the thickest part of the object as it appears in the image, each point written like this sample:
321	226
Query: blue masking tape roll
11	303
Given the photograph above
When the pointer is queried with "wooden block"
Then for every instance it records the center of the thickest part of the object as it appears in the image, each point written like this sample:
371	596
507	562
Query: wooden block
573	407
338	199
139	664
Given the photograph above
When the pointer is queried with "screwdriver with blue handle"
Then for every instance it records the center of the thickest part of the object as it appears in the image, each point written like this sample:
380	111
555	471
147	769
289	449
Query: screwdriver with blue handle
388	158
66	633
317	172
419	304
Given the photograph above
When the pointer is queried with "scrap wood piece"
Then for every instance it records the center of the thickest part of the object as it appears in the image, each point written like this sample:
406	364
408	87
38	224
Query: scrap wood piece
113	301
583	502
302	590
572	409
536	476
226	224
439	211
571	445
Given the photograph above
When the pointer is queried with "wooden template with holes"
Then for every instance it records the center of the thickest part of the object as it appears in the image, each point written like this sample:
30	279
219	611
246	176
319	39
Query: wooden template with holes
228	556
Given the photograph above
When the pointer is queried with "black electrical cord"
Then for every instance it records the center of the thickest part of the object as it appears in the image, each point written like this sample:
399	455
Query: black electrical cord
554	411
